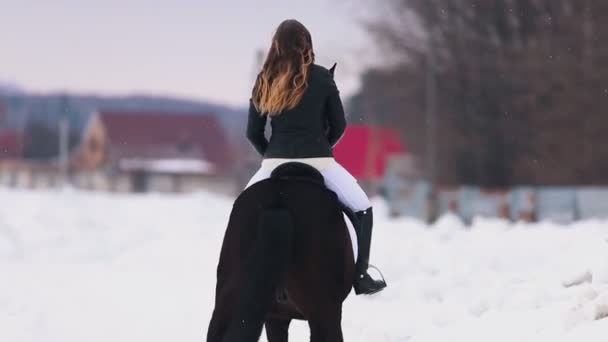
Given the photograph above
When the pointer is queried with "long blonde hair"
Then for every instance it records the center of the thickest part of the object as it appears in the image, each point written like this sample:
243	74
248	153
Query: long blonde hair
284	76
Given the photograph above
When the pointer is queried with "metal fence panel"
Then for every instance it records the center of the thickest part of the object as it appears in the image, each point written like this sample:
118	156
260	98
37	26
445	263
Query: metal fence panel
406	198
523	203
592	202
557	204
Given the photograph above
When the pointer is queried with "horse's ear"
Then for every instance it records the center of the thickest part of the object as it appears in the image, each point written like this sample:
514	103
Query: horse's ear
332	69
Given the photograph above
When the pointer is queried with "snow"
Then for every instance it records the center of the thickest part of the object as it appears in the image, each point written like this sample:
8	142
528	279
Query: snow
77	266
177	166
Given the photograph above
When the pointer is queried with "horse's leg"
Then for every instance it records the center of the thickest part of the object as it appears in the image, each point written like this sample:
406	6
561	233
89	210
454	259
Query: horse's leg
277	330
326	324
220	317
217	326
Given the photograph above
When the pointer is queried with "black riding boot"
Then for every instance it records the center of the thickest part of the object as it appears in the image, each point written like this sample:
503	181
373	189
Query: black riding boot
364	283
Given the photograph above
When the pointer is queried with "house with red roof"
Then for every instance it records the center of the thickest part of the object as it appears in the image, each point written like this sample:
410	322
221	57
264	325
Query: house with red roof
11	140
177	150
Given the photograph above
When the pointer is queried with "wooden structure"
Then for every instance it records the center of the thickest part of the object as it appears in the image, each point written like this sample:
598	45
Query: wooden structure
157	151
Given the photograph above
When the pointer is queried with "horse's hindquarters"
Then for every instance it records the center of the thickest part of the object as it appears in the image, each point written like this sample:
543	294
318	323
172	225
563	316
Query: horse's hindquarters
317	271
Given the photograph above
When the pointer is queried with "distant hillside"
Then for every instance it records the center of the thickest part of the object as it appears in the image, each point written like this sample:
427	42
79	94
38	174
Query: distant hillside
9	89
25	108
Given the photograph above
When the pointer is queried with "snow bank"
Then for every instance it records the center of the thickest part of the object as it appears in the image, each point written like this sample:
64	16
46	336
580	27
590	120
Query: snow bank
78	266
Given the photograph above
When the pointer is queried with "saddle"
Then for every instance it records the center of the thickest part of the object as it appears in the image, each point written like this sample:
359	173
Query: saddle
303	172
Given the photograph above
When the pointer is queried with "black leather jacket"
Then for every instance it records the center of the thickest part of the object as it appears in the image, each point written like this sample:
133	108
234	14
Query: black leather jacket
310	129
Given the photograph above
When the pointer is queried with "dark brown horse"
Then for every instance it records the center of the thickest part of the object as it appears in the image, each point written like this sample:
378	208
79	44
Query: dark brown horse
286	255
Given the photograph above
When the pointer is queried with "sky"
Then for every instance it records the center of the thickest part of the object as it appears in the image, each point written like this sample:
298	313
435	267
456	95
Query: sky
198	49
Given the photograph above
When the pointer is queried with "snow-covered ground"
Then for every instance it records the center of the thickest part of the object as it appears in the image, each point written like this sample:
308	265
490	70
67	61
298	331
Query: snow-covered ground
77	266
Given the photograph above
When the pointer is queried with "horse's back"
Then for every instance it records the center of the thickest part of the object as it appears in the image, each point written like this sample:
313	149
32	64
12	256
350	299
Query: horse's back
311	206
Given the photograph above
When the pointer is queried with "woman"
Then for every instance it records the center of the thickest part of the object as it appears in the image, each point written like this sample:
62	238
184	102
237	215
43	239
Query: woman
303	103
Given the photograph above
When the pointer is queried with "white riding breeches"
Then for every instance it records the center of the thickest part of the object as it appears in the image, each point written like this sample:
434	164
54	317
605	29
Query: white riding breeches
337	179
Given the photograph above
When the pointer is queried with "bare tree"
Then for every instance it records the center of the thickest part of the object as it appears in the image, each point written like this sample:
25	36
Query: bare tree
518	82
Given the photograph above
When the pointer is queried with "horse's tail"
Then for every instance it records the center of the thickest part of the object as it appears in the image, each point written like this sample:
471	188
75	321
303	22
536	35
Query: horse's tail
265	268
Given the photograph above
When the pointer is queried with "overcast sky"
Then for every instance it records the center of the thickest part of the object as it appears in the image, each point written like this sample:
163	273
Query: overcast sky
201	49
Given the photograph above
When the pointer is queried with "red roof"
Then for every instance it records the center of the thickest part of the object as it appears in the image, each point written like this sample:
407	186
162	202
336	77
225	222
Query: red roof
364	150
162	135
11	144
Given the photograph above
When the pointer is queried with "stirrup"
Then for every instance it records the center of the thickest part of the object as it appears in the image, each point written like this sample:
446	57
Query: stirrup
383	281
374	286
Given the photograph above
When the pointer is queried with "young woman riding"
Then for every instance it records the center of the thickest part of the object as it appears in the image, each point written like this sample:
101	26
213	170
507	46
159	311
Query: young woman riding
307	118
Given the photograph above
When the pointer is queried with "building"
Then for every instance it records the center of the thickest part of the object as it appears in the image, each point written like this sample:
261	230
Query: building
11	144
365	152
11	140
3	115
156	151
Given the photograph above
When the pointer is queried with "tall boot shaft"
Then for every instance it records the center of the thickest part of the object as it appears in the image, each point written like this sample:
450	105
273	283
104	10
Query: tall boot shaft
364	283
364	236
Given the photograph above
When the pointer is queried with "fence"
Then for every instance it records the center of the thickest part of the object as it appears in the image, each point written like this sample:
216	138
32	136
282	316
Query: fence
557	204
24	178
